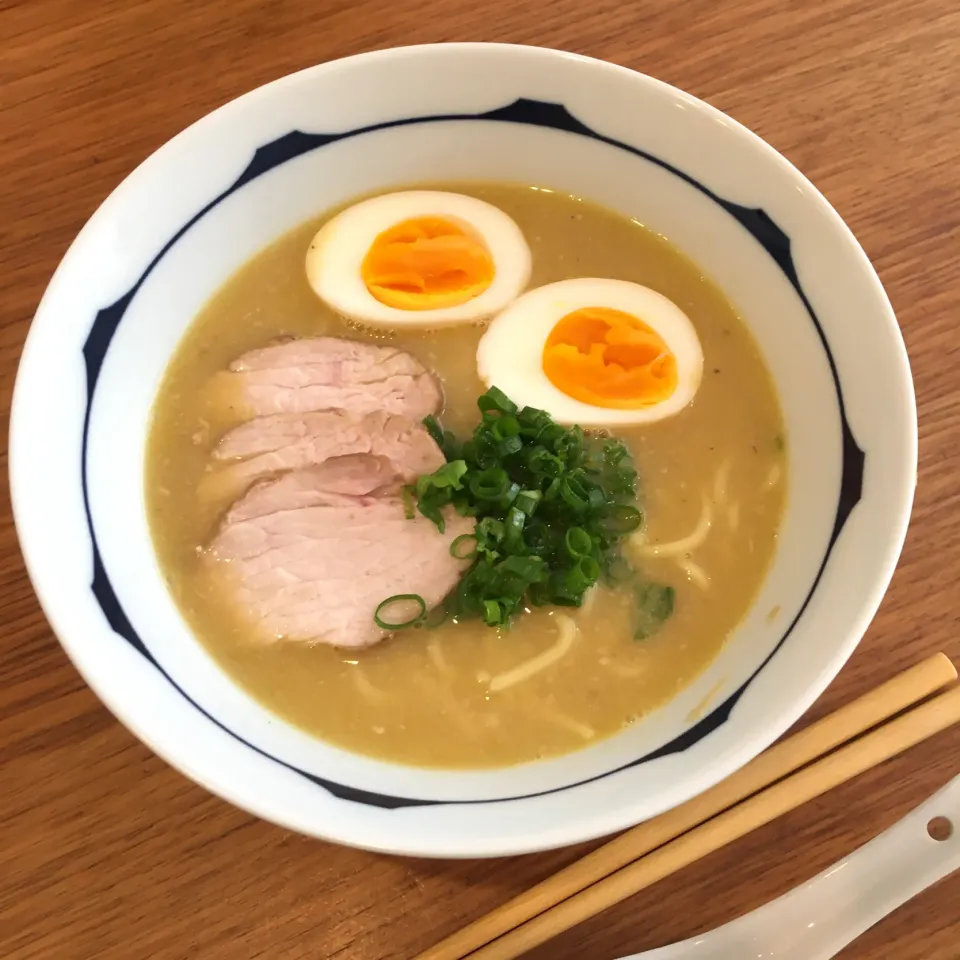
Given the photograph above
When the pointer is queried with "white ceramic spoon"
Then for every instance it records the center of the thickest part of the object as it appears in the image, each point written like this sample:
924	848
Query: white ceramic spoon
818	919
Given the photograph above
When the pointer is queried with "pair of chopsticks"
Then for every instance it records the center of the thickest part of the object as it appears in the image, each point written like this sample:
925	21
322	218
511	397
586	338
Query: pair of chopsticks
827	753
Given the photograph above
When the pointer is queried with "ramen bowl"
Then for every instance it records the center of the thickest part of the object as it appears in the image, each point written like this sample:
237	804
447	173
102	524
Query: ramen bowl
204	203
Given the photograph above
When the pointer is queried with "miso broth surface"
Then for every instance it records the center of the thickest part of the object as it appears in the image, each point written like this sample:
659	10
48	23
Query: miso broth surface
423	697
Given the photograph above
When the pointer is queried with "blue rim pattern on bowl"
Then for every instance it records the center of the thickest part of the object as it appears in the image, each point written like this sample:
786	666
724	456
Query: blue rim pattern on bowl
523	111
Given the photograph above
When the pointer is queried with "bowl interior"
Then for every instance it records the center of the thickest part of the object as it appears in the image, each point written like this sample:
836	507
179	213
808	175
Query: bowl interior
181	224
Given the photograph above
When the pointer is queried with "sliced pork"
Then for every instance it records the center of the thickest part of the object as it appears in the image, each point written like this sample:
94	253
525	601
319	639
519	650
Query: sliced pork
290	441
317	536
305	563
323	373
354	475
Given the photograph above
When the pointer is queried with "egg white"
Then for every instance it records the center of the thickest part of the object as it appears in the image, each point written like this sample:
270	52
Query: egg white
336	254
510	353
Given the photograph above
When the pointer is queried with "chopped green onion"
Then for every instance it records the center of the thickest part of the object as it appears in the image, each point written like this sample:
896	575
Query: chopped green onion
449	475
509	446
434	618
655	604
514	532
432	512
536	535
532	418
614	453
400	598
574	493
464	547
578	542
505	427
492	613
596	497
533	569
434	429
551	435
621	518
553	489
445	440
491	484
469	593
490	530
496	399
509	496
540	461
527	501
582	575
552	505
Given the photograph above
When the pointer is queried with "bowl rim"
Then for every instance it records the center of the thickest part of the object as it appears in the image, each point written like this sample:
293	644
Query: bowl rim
59	616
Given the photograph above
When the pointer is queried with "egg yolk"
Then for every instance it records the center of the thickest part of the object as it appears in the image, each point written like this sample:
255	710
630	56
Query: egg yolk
426	263
609	358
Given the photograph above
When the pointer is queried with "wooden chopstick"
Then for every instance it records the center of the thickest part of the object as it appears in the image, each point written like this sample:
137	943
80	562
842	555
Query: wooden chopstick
851	720
847	762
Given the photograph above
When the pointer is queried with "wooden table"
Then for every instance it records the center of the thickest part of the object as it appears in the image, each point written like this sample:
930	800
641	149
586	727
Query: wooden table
105	851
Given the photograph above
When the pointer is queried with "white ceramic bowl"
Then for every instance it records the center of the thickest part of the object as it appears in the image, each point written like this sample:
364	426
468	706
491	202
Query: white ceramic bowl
177	227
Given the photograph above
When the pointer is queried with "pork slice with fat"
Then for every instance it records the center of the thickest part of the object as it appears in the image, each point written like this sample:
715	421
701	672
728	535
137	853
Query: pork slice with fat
355	475
322	373
303	563
288	441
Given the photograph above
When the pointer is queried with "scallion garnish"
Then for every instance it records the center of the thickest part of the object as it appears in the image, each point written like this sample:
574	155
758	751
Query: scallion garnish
464	547
513	538
654	606
496	399
620	519
399	598
527	501
552	506
492	613
489	484
434	429
578	542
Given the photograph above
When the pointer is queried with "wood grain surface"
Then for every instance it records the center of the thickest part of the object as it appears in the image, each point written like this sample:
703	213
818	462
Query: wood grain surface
105	851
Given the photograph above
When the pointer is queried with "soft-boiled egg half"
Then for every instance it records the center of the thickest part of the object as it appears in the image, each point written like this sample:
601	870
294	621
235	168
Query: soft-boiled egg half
419	258
594	352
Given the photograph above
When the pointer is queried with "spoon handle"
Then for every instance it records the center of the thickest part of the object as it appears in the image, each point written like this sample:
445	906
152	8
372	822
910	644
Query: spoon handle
816	920
819	918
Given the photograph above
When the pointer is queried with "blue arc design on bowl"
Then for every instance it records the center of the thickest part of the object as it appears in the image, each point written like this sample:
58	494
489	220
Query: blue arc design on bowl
535	113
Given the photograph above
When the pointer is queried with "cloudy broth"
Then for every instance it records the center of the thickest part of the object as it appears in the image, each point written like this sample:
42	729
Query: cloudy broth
432	697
